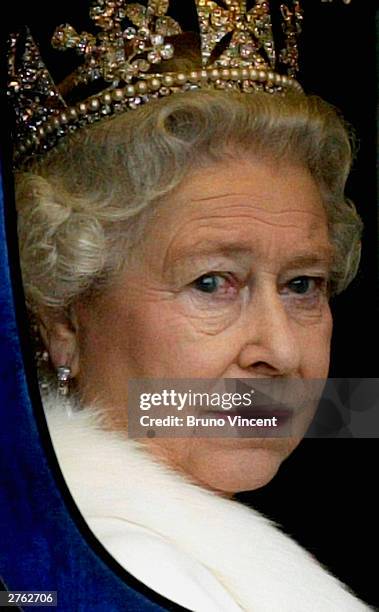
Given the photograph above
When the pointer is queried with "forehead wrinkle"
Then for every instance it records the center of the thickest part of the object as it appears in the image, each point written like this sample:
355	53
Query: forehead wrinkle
250	204
203	220
255	207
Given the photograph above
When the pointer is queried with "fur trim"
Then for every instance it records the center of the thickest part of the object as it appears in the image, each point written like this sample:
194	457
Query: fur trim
263	569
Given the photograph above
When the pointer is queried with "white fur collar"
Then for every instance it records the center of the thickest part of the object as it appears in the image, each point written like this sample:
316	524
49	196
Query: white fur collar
263	569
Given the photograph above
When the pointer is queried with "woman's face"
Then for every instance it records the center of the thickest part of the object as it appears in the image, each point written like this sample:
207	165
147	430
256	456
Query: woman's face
230	282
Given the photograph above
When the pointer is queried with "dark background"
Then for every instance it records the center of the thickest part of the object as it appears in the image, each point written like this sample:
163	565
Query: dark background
339	64
324	495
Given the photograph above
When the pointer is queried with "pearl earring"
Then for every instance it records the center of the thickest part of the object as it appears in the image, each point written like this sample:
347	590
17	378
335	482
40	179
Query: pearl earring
63	379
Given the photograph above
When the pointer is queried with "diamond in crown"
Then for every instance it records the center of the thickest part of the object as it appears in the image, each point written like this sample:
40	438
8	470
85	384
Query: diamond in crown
119	54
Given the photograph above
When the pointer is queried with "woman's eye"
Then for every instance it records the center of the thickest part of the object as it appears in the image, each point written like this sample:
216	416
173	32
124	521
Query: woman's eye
216	283
305	285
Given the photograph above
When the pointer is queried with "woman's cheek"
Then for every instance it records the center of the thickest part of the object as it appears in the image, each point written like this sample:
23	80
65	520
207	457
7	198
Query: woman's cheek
316	345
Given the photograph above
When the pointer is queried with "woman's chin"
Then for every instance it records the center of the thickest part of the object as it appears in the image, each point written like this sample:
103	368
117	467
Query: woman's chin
233	470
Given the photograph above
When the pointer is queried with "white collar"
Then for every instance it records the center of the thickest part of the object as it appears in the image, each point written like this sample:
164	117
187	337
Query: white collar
264	569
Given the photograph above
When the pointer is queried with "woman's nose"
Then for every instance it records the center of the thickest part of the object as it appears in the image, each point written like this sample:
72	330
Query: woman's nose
271	345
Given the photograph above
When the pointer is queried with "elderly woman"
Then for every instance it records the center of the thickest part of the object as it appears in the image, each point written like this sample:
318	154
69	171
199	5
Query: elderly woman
199	236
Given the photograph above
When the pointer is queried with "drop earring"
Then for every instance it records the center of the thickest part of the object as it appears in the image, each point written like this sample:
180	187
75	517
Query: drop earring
63	380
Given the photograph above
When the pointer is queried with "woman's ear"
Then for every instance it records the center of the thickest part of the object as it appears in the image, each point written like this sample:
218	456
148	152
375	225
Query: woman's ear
59	333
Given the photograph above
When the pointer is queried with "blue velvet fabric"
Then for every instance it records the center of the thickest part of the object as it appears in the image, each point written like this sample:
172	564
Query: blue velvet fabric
44	545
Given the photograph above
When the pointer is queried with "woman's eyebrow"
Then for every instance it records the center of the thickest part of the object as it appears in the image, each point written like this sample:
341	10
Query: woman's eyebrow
201	253
213	248
243	255
323	256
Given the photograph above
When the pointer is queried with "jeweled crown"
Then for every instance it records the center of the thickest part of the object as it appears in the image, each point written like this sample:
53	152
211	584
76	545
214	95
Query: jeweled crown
126	62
